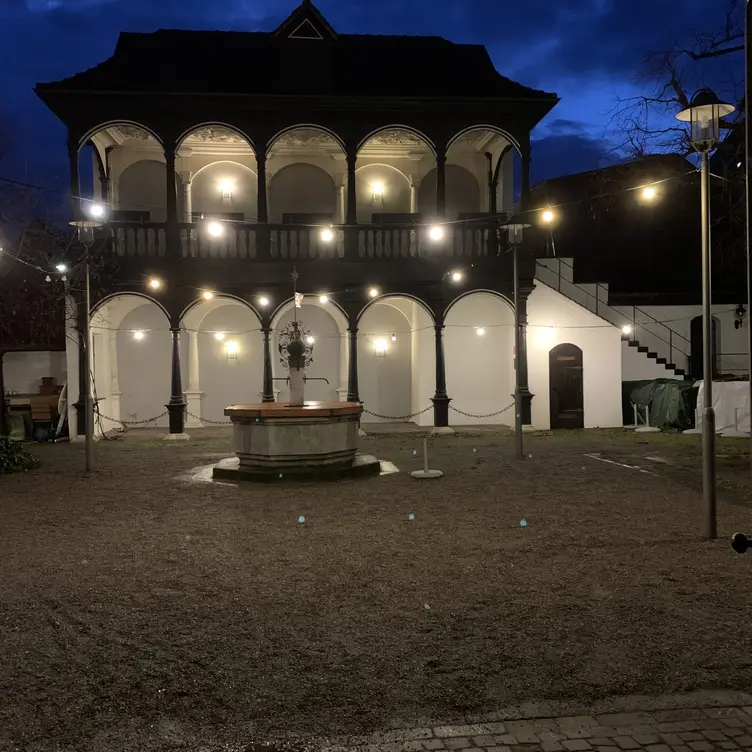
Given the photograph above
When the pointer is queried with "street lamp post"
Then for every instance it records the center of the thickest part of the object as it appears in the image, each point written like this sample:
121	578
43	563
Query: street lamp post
704	114
748	187
515	231
85	229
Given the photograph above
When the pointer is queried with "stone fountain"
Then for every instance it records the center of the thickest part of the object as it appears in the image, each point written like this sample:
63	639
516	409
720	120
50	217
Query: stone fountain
296	439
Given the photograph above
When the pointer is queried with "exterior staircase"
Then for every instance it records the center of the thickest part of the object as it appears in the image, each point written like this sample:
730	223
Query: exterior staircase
640	330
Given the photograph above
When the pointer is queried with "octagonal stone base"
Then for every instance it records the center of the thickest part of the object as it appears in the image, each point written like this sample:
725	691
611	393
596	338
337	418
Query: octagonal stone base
317	440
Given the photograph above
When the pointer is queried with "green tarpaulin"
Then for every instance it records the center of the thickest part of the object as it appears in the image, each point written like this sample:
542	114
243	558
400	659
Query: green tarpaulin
671	403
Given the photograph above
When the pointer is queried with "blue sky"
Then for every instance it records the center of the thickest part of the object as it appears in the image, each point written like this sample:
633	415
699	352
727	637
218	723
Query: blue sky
587	51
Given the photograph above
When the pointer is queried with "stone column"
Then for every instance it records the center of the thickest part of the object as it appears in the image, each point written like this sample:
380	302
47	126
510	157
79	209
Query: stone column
193	393
441	184
176	405
414	197
114	378
171	226
440	399
351	234
268	393
341	204
185	178
343	368
262	208
352	370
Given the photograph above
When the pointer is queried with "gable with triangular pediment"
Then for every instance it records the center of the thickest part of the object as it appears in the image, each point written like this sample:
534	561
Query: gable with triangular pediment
306	22
306	30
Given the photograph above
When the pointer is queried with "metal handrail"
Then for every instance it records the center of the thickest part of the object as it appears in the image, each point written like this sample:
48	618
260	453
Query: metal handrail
635	310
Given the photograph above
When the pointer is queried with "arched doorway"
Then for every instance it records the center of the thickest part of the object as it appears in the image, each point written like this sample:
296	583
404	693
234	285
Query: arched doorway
566	386
695	362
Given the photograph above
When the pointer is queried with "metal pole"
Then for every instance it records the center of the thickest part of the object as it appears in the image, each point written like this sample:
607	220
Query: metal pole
748	188
708	428
517	348
88	402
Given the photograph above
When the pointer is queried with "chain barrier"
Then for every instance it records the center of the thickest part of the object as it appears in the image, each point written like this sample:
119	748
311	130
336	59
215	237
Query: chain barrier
211	422
126	423
487	415
398	417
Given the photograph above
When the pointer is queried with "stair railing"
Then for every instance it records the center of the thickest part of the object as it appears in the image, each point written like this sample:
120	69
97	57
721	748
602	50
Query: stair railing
677	343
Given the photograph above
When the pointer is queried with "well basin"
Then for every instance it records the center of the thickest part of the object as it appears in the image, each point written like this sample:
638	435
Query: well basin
273	439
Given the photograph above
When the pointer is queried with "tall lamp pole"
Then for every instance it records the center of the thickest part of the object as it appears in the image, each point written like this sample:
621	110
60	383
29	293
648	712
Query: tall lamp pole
704	114
85	229
748	187
515	231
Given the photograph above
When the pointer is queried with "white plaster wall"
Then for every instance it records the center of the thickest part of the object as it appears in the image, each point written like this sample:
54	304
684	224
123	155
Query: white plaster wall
385	383
206	196
462	192
480	369
732	344
326	354
144	366
142	186
301	189
423	345
23	371
553	320
636	366
395	198
226	381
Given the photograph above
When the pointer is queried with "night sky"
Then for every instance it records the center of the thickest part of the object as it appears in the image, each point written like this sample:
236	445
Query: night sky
586	51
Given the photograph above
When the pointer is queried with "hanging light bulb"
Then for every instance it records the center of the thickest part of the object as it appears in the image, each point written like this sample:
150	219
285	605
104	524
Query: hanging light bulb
394	337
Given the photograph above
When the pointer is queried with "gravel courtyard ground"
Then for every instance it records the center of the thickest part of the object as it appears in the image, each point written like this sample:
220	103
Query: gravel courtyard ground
142	612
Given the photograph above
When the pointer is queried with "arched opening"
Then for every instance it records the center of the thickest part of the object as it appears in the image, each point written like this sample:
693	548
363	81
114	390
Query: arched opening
217	166
493	160
306	171
131	361
387	195
479	352
123	167
566	387
324	328
396	361
222	357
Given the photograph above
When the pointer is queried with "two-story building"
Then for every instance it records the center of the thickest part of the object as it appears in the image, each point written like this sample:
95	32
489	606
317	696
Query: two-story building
381	169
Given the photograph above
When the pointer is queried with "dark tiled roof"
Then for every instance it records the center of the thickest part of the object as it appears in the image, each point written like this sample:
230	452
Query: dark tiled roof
263	63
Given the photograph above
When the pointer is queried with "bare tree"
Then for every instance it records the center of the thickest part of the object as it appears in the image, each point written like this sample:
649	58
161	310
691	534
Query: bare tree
668	78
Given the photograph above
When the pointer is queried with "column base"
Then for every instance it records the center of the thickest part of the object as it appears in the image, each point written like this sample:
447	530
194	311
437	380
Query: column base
193	399
442	431
176	437
177	417
527	428
441	410
342	395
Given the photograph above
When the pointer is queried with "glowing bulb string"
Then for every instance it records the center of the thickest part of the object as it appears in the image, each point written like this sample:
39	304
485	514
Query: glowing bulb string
417	225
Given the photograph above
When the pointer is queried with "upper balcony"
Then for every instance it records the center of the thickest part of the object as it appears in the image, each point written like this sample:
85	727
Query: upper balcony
301	196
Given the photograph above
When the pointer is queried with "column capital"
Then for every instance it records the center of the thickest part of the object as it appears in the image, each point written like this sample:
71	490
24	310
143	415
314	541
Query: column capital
186	176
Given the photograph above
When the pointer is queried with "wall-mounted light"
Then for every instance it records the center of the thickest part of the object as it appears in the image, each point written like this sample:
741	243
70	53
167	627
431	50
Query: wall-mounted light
138	335
215	229
155	284
226	189
480	331
545	336
231	350
219	336
436	233
379	347
394	337
327	235
377	190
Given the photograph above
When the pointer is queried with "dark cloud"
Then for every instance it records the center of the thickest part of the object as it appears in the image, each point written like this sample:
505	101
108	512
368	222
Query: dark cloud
561	125
554	156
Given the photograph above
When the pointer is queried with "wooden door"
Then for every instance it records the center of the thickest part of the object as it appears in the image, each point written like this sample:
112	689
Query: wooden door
565	386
